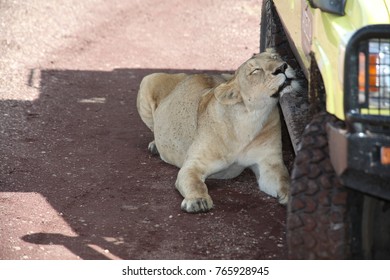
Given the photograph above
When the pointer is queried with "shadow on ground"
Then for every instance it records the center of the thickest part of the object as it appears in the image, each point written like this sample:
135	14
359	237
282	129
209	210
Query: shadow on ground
82	146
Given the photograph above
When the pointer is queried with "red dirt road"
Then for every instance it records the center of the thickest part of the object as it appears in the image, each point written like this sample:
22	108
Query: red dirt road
76	179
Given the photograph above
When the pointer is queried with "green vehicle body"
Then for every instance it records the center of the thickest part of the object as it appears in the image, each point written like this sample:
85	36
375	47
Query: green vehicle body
326	35
338	124
347	44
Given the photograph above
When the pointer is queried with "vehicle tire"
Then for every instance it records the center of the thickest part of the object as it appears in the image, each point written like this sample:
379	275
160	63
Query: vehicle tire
326	220
318	220
375	228
272	34
265	25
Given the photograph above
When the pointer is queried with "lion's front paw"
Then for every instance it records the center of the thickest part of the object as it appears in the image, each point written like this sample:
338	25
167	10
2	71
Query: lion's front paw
283	198
197	205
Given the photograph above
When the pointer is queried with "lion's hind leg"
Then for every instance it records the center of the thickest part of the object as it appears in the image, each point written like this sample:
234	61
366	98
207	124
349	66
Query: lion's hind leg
145	104
153	89
153	148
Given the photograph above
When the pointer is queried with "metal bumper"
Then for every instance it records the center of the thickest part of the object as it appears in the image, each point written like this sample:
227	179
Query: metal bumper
356	158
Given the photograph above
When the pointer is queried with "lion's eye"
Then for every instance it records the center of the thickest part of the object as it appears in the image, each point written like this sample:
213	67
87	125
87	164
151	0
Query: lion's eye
254	71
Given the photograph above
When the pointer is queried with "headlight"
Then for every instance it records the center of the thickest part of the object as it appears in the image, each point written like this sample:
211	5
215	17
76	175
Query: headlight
367	76
374	77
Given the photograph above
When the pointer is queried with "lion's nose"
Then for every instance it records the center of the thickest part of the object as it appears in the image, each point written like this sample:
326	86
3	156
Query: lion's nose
280	70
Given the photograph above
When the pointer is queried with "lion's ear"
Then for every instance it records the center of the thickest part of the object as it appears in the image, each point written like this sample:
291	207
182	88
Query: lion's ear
227	94
274	54
271	51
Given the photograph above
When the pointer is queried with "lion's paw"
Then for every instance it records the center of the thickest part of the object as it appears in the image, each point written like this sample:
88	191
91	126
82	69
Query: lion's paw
197	205
283	198
153	148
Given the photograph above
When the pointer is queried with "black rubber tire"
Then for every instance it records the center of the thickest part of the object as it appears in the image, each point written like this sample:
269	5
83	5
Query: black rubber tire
318	225
326	220
375	228
272	34
270	26
264	25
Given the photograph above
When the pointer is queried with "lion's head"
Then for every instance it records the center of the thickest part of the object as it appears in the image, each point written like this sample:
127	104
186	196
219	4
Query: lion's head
258	81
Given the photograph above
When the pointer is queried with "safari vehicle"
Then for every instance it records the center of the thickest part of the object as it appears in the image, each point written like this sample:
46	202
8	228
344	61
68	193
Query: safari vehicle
339	125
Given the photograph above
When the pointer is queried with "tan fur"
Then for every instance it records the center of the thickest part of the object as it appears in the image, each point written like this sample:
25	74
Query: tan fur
216	126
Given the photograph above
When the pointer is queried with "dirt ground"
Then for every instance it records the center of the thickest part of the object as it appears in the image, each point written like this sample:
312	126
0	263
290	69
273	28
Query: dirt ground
76	179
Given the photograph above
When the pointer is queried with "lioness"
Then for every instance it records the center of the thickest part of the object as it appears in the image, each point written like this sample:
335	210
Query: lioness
216	126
